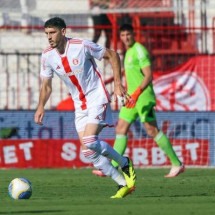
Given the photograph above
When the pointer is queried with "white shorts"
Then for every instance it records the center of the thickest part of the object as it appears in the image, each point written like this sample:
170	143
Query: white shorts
101	115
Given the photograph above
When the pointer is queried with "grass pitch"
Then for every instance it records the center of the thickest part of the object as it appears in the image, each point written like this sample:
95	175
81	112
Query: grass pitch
78	192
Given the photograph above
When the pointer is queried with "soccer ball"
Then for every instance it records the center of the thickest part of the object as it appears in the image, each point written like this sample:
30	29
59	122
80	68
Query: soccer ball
121	100
20	188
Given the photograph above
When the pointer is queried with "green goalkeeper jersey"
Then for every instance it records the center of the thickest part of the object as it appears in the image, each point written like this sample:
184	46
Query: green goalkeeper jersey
137	58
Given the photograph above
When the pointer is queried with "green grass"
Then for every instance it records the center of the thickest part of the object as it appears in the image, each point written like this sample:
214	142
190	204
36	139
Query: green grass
78	192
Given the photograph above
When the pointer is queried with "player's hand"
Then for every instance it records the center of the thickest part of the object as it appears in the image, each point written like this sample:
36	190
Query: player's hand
120	94
122	100
38	116
131	102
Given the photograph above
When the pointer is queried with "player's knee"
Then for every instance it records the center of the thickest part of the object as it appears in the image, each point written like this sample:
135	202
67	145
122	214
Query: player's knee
95	146
152	132
121	128
92	143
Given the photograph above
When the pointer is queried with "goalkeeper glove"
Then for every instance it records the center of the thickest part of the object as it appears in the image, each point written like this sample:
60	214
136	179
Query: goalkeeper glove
133	98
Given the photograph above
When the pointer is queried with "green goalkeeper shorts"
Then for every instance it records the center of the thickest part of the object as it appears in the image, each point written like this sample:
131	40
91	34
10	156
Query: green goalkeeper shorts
145	113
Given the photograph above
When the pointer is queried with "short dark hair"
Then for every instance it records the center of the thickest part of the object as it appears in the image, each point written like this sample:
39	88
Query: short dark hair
126	27
55	22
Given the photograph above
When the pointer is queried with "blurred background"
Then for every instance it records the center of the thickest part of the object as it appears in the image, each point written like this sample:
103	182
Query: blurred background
180	36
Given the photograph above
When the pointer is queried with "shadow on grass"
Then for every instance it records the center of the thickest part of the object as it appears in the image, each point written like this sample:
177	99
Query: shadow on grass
33	212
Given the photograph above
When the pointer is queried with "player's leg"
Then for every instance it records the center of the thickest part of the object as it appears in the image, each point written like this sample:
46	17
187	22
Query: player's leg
108	151
93	143
107	30
97	28
164	143
126	118
103	164
97	118
120	143
87	132
150	123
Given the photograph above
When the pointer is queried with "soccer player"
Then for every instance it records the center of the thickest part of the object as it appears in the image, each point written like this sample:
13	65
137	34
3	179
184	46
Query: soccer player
73	61
141	103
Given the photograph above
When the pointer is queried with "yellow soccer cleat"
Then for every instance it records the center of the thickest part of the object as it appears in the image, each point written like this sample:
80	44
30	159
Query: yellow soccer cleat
121	192
129	174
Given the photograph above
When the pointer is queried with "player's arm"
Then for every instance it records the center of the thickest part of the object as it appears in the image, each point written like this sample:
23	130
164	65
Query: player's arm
147	78
145	83
45	92
114	60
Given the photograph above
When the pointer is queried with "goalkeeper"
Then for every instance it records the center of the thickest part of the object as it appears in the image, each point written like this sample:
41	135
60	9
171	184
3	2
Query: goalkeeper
141	103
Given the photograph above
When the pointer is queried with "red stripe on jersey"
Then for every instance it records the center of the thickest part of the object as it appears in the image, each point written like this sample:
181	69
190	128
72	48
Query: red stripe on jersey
99	75
74	80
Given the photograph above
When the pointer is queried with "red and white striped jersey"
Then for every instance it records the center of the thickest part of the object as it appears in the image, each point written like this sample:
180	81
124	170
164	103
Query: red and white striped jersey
78	70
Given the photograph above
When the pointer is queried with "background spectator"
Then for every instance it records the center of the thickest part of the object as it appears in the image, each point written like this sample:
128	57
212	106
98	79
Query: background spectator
101	21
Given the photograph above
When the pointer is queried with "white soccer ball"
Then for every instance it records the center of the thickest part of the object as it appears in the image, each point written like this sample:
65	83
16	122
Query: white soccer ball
121	100
20	188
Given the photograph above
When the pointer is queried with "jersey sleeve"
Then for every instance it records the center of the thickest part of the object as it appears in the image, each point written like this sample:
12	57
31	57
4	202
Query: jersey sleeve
143	56
93	50
45	69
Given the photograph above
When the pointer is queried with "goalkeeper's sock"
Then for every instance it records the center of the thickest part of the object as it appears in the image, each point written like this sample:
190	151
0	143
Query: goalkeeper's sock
103	164
120	145
164	143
